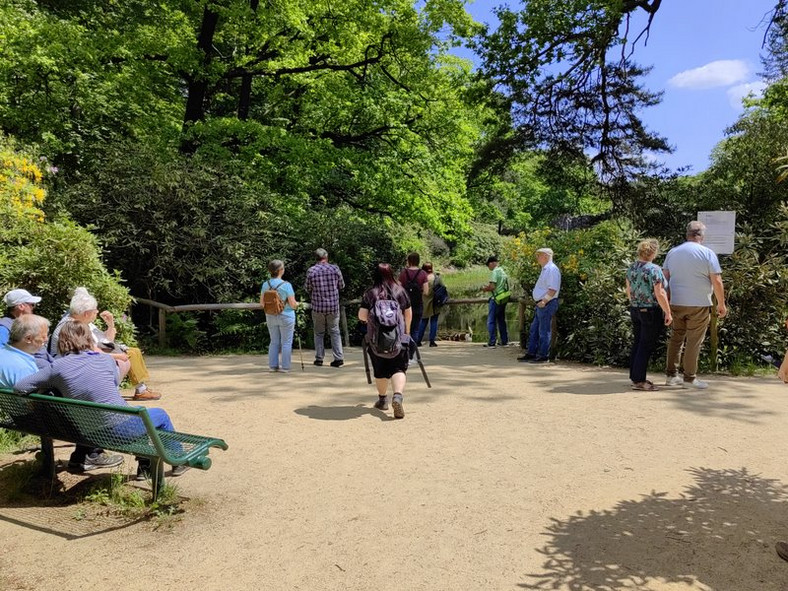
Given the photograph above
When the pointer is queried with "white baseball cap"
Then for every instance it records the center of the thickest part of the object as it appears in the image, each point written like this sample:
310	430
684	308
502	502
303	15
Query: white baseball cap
19	296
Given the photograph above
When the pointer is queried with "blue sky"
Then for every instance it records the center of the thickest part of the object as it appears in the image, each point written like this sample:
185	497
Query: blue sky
705	57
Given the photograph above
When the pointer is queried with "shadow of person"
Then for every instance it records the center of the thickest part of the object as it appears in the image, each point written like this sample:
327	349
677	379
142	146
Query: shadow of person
718	535
341	413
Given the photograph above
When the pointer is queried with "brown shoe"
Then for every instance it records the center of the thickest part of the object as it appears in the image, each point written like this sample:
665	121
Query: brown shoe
147	394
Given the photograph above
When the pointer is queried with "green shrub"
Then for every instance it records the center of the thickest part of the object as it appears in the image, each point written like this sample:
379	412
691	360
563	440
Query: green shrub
476	248
49	258
593	319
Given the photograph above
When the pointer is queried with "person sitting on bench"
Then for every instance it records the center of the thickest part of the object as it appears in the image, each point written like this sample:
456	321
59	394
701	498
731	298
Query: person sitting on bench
19	302
84	308
17	361
81	373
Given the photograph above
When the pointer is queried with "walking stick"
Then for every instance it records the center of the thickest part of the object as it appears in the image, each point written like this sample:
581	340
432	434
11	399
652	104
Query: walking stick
421	365
300	350
365	354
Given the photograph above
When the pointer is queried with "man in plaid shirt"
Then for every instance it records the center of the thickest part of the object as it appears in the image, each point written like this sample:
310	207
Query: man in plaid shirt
323	282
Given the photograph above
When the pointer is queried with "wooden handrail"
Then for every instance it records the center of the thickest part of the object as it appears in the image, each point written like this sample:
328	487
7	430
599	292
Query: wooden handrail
165	309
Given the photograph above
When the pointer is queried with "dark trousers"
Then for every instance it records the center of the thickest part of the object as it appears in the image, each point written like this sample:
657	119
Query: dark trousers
415	321
647	326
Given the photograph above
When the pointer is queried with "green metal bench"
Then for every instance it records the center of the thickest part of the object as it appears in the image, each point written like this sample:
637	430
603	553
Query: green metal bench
91	424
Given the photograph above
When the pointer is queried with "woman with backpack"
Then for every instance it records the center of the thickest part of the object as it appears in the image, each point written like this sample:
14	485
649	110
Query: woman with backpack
277	298
431	309
385	309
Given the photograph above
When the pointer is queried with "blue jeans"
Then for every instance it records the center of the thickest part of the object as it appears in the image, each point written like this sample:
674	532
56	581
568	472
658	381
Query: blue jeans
496	315
321	322
542	330
433	322
281	328
647	327
134	427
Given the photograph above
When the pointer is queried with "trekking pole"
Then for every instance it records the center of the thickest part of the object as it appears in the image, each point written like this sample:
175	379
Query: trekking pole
421	365
300	350
366	359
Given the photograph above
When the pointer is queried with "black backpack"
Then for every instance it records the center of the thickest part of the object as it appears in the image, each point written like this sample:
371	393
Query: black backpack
413	287
440	295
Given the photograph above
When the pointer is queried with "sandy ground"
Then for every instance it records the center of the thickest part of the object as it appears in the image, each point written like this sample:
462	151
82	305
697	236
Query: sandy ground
502	476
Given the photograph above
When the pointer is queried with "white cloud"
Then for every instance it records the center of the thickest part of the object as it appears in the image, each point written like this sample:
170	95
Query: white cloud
738	92
713	74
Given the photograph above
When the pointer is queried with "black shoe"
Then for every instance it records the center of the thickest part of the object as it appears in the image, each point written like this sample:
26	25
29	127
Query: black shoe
433	344
382	403
539	360
337	363
178	470
102	460
489	346
318	362
526	357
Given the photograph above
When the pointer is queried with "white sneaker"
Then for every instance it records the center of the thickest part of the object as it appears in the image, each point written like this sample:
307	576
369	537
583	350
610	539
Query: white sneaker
674	381
696	383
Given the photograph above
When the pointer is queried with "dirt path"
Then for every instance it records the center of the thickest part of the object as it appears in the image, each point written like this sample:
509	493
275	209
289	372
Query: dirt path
502	476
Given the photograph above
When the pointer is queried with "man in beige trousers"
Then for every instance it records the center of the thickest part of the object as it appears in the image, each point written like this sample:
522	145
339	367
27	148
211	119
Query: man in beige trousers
693	273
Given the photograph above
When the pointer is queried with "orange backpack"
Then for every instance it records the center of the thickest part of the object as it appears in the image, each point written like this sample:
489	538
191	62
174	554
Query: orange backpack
272	302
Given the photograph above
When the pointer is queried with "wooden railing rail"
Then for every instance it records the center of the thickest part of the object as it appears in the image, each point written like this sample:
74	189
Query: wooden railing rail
165	309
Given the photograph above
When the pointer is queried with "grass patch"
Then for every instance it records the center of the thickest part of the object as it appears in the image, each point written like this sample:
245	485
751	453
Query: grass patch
466	283
11	441
121	498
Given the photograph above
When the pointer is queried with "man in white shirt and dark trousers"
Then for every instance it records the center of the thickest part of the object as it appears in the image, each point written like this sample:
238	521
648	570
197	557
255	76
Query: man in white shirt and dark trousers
545	294
693	273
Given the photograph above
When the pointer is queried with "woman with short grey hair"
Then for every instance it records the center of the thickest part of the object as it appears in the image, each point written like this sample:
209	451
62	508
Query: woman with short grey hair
279	316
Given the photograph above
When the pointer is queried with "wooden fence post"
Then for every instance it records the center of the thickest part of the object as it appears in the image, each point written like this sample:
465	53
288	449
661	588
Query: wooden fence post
343	322
162	327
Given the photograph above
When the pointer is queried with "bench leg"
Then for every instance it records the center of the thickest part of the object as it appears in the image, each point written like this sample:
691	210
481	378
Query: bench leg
157	476
47	458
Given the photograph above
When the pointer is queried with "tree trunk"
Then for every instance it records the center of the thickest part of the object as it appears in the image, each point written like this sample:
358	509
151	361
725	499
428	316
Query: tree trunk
198	84
244	101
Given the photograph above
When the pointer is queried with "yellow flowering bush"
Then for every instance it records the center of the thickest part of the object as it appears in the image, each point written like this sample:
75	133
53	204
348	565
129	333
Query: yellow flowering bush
48	258
593	321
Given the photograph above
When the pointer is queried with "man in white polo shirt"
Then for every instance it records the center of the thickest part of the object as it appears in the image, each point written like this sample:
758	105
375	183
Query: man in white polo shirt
545	294
693	273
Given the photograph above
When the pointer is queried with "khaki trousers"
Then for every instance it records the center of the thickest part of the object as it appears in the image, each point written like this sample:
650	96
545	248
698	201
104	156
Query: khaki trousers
689	330
138	372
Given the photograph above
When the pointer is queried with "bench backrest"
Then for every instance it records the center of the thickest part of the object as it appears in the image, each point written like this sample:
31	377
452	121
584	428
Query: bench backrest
78	421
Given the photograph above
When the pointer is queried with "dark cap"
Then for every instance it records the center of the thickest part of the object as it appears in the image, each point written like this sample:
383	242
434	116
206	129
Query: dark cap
492	259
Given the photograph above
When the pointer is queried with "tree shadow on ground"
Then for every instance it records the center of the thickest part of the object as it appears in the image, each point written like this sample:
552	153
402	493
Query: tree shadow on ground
341	413
720	533
57	507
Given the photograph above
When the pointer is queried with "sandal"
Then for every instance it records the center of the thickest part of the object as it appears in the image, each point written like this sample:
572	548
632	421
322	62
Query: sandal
647	386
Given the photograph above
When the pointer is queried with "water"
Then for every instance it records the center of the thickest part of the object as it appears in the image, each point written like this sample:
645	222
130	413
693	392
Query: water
460	319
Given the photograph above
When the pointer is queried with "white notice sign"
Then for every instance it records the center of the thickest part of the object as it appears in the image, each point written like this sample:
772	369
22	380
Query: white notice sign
720	230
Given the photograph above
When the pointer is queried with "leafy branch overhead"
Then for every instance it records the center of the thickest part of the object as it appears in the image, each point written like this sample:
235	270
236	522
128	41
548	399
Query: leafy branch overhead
566	68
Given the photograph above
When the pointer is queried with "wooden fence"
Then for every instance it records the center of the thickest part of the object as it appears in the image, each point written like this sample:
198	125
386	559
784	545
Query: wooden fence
164	309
